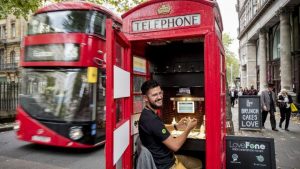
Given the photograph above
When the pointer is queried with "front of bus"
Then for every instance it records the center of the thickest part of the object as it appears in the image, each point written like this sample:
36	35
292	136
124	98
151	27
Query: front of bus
59	106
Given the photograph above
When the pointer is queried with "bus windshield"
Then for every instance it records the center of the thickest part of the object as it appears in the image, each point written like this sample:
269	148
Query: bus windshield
67	21
57	95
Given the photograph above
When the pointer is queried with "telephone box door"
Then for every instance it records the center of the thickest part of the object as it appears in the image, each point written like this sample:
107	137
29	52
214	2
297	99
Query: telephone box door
118	99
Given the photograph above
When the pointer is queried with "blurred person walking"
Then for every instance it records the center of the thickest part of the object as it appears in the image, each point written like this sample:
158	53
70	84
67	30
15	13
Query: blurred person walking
285	101
268	103
233	96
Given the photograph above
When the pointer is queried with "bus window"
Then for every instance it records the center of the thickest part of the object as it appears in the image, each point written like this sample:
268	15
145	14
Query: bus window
59	22
62	95
98	26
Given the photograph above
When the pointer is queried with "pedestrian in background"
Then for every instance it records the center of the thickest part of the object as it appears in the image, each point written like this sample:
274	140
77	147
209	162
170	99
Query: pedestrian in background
233	96
285	101
245	91
252	91
268	103
240	93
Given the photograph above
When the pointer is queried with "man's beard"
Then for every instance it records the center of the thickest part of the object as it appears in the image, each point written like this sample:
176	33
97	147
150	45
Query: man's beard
154	106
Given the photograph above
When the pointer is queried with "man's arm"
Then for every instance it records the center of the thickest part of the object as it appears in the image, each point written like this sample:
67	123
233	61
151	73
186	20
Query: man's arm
175	143
181	125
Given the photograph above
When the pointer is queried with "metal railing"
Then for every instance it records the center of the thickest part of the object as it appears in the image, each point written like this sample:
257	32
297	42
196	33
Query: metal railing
8	96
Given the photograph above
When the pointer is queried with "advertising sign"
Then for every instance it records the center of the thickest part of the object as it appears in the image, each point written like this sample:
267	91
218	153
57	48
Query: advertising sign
250	113
139	65
250	153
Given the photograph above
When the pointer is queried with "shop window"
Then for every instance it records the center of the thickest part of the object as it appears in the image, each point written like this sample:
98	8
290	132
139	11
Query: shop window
276	72
276	43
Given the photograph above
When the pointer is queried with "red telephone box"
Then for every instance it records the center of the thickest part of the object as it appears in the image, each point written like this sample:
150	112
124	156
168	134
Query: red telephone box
179	44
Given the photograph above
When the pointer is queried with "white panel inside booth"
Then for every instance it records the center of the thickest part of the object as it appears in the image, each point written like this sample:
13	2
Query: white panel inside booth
121	83
121	140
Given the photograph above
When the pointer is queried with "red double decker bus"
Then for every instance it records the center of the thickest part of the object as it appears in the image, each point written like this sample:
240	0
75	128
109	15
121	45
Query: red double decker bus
177	43
59	104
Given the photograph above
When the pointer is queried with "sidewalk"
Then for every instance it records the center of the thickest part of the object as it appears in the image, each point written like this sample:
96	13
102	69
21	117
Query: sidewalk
287	143
6	126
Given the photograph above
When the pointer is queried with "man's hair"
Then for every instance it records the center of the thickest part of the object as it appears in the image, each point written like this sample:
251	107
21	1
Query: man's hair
270	84
147	85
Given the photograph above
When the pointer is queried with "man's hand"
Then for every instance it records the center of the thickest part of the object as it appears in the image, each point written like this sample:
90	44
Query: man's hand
175	143
181	125
265	108
191	123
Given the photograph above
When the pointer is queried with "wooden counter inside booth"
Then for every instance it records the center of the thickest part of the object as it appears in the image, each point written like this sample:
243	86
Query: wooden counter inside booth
192	144
194	148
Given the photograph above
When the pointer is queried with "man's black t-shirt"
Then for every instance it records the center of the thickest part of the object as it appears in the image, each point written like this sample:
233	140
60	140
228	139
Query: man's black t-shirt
152	133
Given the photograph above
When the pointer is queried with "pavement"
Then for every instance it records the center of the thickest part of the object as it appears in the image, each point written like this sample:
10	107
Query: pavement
287	143
7	126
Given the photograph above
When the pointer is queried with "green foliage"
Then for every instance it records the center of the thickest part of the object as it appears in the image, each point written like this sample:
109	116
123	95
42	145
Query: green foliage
26	7
123	6
231	59
18	7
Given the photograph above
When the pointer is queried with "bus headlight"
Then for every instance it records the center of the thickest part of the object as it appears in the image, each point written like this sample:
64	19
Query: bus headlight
17	125
75	132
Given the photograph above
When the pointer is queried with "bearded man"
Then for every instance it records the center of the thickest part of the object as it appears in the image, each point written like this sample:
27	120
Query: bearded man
155	136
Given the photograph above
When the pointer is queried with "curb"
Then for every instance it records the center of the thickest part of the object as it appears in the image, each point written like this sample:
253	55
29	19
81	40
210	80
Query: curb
6	128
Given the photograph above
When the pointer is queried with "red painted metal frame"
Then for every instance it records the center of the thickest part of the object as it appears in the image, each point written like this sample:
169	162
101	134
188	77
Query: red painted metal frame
213	51
115	36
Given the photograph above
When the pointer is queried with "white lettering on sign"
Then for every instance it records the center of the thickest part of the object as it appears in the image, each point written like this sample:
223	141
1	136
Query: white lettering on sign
249	103
166	23
248	111
251	124
246	146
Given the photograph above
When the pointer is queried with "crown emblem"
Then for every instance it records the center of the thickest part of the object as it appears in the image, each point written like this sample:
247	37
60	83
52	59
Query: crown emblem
164	9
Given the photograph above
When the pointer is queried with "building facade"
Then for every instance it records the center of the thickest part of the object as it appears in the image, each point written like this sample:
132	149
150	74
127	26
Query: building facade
12	30
269	47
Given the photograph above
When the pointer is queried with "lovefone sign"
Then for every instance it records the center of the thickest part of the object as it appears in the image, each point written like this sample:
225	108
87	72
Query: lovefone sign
247	146
250	153
166	23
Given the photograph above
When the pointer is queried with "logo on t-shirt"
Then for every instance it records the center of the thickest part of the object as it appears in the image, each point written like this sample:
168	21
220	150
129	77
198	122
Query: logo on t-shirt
164	131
